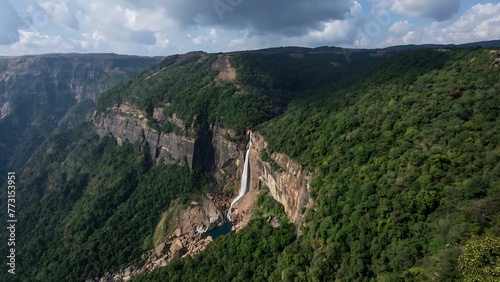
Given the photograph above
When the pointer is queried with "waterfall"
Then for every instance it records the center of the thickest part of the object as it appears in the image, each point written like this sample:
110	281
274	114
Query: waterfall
244	179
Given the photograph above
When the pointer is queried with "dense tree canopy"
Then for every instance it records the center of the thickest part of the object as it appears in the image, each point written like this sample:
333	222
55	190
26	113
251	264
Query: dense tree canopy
404	147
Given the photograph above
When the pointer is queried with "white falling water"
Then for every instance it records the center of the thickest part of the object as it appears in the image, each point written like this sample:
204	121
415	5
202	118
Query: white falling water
244	179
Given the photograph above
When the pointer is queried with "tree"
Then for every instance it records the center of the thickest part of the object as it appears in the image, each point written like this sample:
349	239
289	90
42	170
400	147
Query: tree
480	260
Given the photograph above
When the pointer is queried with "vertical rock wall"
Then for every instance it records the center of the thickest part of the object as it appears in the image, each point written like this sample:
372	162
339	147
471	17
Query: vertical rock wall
218	152
289	184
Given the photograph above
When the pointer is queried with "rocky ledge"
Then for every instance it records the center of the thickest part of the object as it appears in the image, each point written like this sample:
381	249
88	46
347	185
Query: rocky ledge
186	240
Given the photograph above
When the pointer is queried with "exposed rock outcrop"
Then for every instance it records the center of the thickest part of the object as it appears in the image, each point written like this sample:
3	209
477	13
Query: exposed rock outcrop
184	241
125	122
81	76
227	162
226	72
39	92
4	109
219	154
222	152
287	181
289	185
496	62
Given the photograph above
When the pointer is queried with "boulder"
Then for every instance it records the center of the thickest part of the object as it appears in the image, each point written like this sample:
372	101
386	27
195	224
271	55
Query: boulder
160	250
176	249
496	62
178	232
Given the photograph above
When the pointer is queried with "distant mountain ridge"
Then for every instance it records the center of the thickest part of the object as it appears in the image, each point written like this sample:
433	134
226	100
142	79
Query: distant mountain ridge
36	91
483	44
288	49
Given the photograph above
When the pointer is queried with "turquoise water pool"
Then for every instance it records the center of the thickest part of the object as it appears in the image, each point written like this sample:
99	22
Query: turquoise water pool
218	231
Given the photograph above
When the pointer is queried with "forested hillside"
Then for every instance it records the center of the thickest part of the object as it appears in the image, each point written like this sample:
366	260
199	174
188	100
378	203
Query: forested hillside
37	91
407	173
407	167
87	205
403	147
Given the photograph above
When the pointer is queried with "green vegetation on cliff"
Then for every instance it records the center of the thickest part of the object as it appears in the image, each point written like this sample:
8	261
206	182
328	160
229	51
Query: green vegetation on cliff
87	206
407	174
252	254
404	146
38	91
407	163
265	83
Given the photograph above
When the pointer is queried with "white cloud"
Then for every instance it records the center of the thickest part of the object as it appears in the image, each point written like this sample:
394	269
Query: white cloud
213	33
146	19
400	27
236	42
162	27
481	22
380	5
44	41
117	15
92	39
96	15
32	40
334	32
60	13
162	40
198	40
210	38
120	22
439	10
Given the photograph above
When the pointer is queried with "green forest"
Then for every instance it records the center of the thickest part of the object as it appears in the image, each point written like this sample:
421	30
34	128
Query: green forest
251	254
406	185
404	147
407	167
101	206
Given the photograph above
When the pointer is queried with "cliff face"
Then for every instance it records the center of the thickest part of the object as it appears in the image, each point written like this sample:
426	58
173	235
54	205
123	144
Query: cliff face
74	76
128	123
220	153
214	153
36	93
287	181
228	155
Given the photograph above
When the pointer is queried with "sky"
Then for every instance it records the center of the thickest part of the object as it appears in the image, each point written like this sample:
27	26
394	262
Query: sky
165	27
